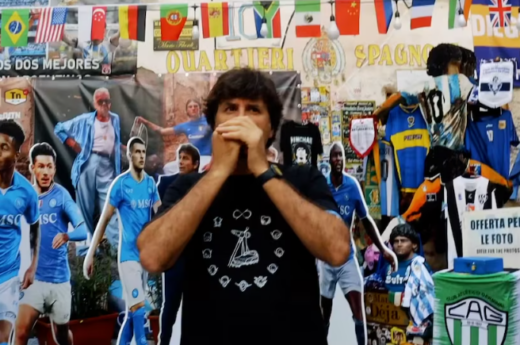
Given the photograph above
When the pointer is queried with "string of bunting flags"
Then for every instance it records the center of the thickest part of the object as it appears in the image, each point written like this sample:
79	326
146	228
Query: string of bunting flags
215	16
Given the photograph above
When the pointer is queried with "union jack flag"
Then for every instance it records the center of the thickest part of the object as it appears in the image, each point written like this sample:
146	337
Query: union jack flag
500	13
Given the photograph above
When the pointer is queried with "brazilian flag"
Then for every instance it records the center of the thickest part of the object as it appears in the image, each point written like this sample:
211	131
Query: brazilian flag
15	27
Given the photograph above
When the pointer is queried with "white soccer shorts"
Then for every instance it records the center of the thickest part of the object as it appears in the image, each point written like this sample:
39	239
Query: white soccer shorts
9	299
43	296
132	278
348	276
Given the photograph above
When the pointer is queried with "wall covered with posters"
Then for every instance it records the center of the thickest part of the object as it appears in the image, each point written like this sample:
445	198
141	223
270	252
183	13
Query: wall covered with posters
164	111
154	91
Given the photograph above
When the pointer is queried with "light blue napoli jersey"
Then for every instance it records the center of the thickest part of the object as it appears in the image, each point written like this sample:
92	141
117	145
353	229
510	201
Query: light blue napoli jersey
134	201
57	210
349	198
17	201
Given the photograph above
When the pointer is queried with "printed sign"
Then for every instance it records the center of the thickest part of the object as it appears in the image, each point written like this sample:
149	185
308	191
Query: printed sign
380	310
493	233
185	42
496	83
15	96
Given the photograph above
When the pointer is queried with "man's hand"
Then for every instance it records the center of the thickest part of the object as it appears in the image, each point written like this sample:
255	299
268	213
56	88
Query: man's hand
389	256
73	144
225	154
140	119
28	277
59	240
243	129
88	266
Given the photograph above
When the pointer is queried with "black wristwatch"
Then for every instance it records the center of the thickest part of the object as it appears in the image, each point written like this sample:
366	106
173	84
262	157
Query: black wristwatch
273	172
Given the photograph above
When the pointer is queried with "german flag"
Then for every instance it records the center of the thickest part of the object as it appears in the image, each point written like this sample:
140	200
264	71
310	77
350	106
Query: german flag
132	22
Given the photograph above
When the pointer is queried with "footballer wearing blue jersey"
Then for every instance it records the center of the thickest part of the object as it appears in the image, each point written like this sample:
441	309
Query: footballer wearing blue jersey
133	195
51	292
17	199
348	195
196	130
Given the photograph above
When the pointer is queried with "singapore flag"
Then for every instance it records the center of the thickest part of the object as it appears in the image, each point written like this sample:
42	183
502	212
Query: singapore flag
92	23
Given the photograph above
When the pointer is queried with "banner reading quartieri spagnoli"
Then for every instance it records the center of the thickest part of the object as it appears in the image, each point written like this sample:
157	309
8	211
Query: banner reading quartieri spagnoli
71	156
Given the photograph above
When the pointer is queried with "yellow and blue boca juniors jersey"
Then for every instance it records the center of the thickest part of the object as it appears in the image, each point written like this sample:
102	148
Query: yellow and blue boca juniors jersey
408	133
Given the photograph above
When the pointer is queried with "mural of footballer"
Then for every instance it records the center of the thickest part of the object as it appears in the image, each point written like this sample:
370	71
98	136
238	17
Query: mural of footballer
133	195
17	199
51	288
96	138
189	160
197	131
348	195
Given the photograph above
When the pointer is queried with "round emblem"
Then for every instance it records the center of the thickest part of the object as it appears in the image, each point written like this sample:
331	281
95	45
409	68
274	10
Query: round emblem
18	203
15	27
135	293
174	18
52	203
324	60
308	18
149	190
245	253
133	204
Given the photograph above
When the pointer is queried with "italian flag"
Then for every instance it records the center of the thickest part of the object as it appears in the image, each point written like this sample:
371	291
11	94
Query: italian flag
395	298
307	18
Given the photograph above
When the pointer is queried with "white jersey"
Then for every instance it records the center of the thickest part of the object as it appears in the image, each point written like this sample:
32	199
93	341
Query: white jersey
460	196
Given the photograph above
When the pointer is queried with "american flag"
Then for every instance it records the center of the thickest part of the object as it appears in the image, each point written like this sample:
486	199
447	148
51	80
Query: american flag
500	13
51	25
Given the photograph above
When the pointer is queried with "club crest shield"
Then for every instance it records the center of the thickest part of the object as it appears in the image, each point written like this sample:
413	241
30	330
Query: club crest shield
362	136
471	316
496	83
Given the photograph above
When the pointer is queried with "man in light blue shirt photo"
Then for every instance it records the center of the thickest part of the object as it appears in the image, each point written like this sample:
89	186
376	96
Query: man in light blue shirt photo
96	138
51	289
134	197
17	199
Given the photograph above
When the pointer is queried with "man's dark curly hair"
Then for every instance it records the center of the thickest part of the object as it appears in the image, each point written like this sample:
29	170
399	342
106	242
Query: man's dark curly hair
245	83
404	230
439	58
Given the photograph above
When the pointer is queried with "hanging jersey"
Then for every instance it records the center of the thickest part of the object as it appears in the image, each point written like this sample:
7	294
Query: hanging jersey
18	200
426	201
424	197
199	134
57	210
445	109
388	187
349	197
134	201
465	195
300	144
407	131
489	141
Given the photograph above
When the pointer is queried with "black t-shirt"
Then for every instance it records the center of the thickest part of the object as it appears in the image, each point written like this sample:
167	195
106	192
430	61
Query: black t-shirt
248	277
300	144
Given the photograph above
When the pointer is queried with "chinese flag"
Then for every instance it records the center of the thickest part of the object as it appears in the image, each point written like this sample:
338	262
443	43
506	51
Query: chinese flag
99	22
347	16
